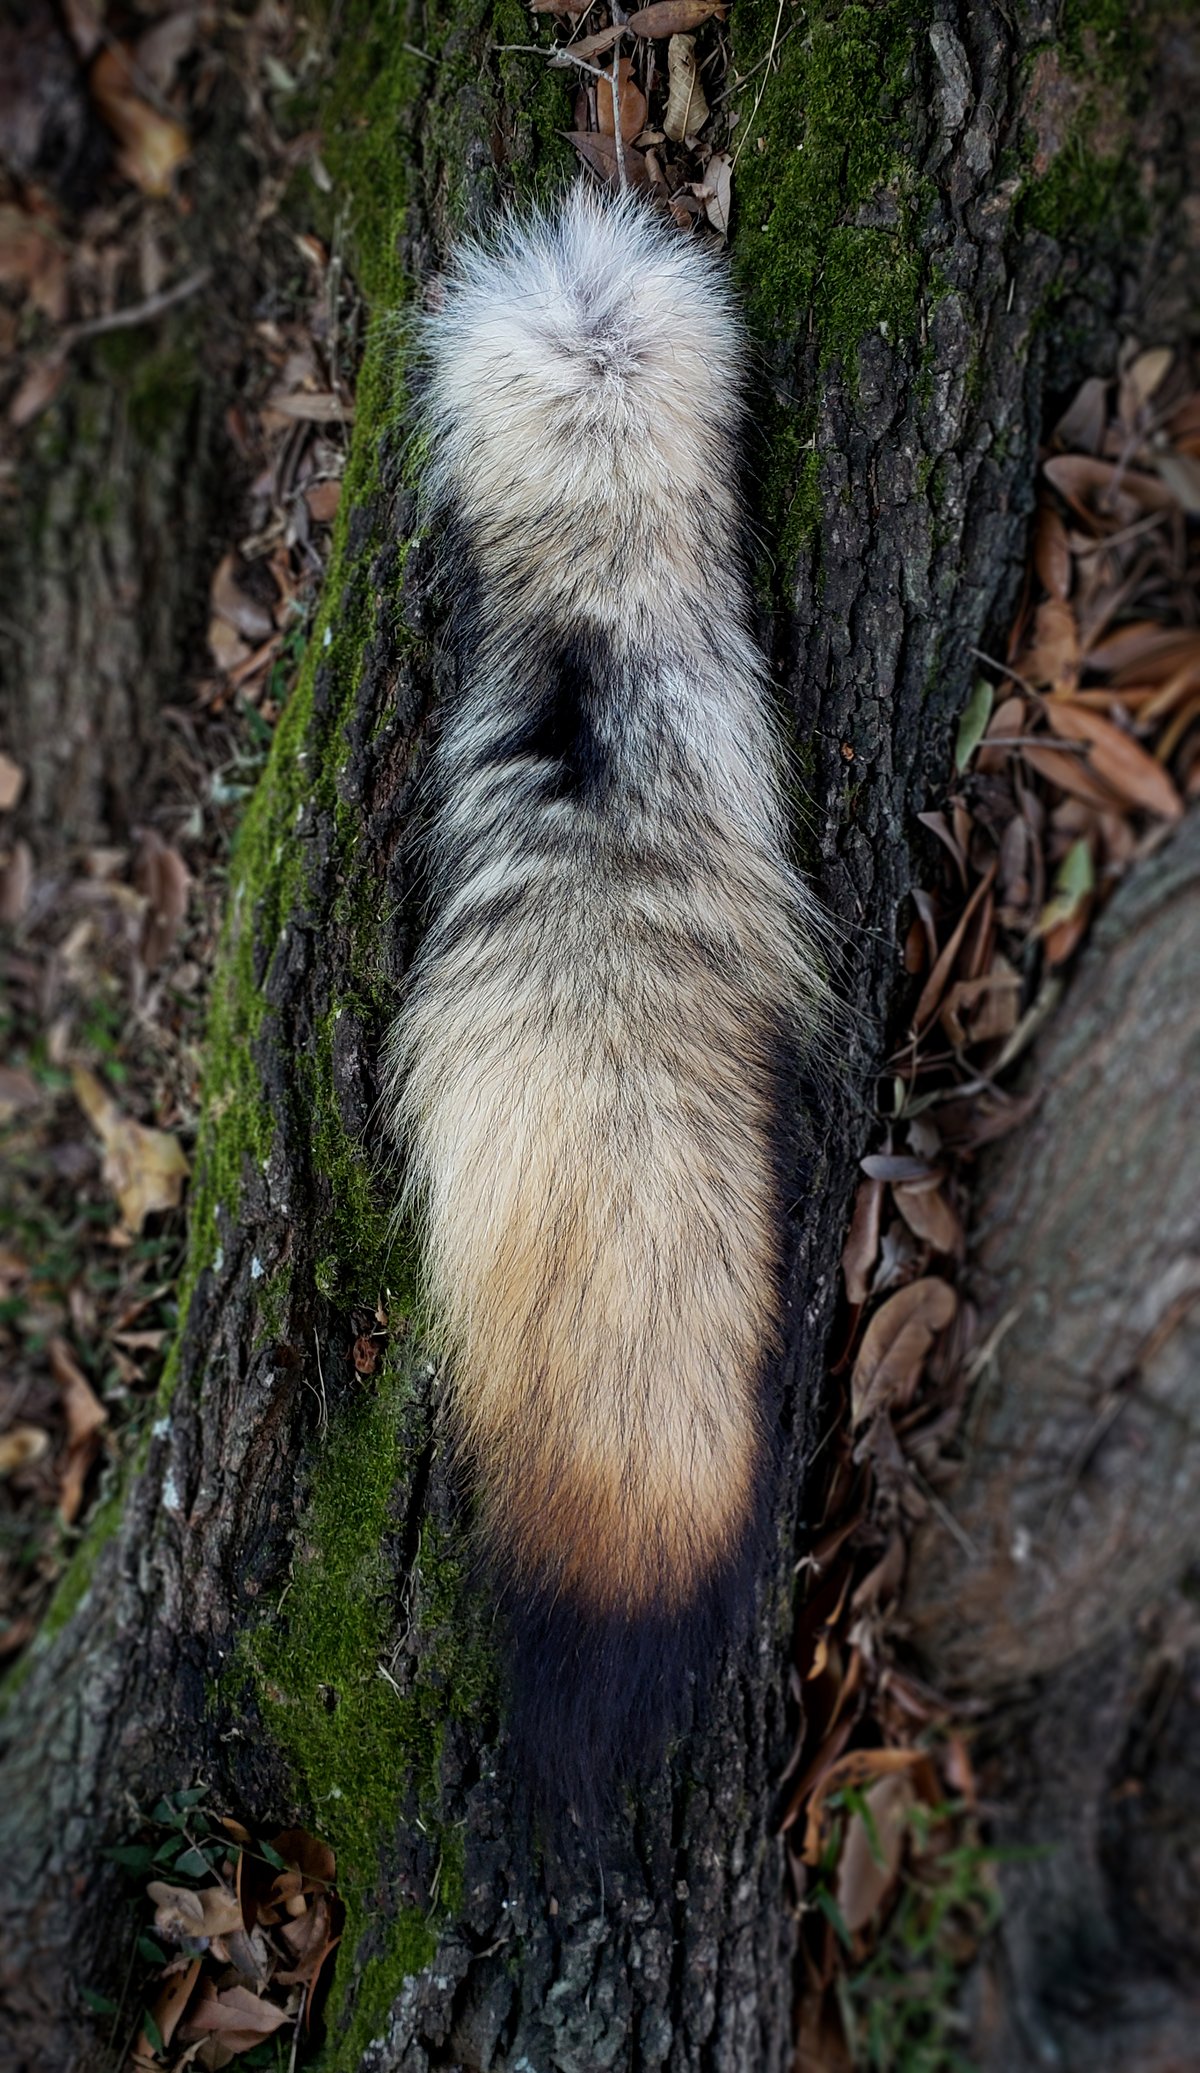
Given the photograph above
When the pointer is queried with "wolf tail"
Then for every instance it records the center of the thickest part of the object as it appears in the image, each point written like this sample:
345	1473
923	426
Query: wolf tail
586	1071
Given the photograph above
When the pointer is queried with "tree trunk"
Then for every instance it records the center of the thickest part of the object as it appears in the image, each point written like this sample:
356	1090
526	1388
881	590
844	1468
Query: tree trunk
1072	1617
282	1601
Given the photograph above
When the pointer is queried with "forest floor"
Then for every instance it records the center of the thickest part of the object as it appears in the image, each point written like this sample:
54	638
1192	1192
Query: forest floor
1075	756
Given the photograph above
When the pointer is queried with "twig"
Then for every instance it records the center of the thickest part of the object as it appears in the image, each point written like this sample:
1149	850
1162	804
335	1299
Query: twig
296	2030
137	312
762	89
743	79
561	55
618	139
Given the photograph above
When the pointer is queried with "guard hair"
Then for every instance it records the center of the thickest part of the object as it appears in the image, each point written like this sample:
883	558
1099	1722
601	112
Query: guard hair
588	1071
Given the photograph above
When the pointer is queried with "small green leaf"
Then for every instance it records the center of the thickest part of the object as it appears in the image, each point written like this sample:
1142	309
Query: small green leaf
974	723
150	1951
192	1865
273	1856
133	1856
99	2002
1076	876
170	1849
830	1909
153	2032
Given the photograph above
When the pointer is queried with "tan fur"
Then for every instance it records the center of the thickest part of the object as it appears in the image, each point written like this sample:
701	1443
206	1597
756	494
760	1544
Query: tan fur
586	1064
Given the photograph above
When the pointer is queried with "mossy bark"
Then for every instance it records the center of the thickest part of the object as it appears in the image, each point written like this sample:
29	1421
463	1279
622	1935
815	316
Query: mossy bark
284	1605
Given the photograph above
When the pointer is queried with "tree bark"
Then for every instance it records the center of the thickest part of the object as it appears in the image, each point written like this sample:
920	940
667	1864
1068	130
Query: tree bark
1071	1618
292	1532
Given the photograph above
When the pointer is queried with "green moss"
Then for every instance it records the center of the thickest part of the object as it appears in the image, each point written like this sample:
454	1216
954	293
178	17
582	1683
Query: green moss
1090	187
1086	190
791	492
159	381
1107	39
829	200
363	1723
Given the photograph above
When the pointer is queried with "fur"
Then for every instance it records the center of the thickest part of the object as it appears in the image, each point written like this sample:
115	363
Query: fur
586	1068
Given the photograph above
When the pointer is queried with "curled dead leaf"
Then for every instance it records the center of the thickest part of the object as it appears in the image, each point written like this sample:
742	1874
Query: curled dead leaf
12	782
600	154
38	389
16	881
862	1241
674	17
145	1169
239	2018
161	875
930	1215
151	145
896	1344
180	1912
1052	553
632	102
871	1853
1117	759
687	109
21	1446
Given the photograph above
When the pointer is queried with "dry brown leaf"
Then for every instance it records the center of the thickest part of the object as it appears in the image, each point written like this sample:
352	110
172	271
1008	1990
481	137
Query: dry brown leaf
930	1215
632	101
1053	657
1082	423
227	598
1063	937
859	1767
145	1169
862	1241
238	2017
180	1912
309	1940
1095	488
864	1878
978	1010
1143	652
1117	759
151	145
935	985
1052	553
1139	382
161	875
590	47
308	1855
323	499
309	406
21	1446
12	782
716	191
162	48
172	2000
39	388
600	153
225	645
85	1415
896	1343
687	109
18	1090
893	1166
1070	774
1181	474
674	17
